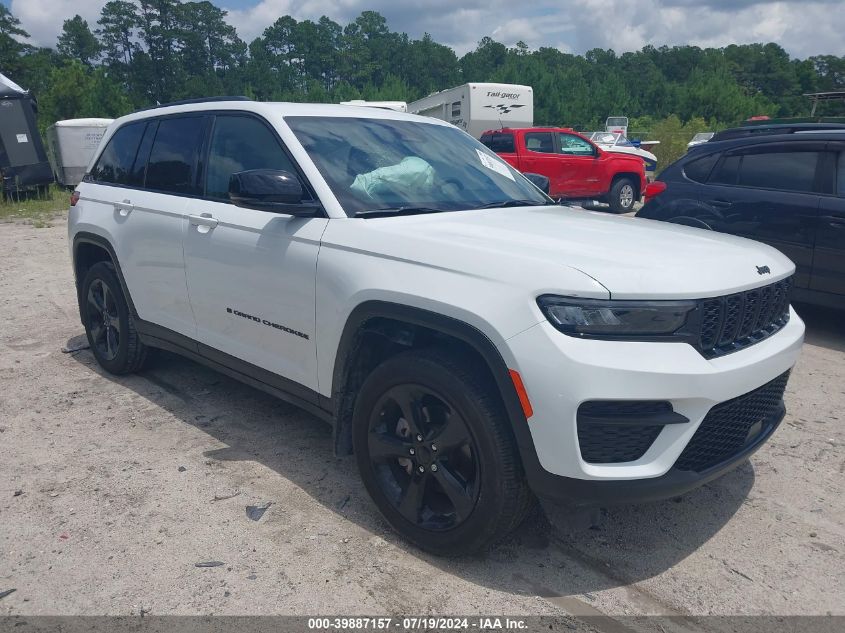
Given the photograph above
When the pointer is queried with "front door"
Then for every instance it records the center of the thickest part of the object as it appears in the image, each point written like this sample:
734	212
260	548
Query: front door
581	171
251	274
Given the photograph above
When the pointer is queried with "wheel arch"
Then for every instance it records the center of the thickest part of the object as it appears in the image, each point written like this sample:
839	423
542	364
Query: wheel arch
633	176
403	326
88	249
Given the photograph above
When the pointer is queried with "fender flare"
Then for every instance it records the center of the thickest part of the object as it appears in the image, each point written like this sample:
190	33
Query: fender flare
84	237
450	326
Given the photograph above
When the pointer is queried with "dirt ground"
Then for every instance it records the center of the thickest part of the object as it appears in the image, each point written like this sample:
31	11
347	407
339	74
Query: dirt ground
112	489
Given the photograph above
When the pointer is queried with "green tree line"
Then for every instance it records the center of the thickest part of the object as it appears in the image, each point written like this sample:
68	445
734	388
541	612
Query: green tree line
142	52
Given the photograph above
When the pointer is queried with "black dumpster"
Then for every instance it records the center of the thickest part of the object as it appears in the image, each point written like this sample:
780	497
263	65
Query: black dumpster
23	161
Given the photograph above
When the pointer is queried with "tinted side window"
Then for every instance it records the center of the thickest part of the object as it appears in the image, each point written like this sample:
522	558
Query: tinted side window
726	172
575	145
499	142
239	143
786	171
840	175
115	163
139	169
172	165
700	168
539	142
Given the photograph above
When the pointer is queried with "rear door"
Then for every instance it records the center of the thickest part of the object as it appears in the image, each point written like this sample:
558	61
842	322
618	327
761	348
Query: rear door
770	193
147	225
539	155
252	274
829	258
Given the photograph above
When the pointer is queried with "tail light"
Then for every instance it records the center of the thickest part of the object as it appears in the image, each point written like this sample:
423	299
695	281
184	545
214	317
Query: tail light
74	198
654	189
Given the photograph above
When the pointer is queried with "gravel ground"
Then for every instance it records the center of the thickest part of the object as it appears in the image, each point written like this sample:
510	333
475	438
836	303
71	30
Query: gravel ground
113	489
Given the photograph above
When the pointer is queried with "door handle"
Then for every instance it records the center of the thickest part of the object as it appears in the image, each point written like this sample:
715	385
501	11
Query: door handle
835	221
123	208
203	220
721	204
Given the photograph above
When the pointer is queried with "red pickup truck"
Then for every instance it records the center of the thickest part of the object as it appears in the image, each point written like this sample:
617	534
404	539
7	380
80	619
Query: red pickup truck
575	167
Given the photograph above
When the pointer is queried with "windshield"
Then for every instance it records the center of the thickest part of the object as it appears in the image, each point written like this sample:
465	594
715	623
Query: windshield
605	138
384	164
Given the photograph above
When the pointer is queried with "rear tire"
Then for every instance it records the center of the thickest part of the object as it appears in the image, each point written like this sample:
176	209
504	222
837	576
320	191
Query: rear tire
109	325
446	475
623	194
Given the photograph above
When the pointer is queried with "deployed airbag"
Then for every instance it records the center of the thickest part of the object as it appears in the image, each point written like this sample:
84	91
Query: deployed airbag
409	174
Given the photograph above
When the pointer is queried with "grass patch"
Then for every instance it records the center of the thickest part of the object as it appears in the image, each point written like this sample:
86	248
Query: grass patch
35	209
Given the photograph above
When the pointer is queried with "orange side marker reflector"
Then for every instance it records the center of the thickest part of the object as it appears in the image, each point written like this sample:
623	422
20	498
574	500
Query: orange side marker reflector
523	395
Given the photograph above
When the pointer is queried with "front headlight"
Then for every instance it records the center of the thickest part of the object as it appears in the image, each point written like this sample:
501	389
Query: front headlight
600	318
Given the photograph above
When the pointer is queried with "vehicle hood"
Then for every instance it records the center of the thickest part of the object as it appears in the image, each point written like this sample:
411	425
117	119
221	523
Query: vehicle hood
632	258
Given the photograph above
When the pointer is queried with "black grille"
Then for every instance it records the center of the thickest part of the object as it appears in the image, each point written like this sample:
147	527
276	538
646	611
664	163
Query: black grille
731	426
733	322
625	441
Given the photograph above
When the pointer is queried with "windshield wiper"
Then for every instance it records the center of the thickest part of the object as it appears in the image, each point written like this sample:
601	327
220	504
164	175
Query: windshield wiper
514	203
409	210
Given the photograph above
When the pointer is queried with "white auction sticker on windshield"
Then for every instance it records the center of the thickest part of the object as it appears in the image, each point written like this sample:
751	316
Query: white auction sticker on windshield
491	163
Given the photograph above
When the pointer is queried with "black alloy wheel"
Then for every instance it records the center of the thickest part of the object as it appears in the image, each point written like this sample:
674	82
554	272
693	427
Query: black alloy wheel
436	452
103	320
108	321
424	457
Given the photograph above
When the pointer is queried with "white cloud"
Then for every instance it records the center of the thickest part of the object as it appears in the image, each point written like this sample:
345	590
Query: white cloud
804	28
43	19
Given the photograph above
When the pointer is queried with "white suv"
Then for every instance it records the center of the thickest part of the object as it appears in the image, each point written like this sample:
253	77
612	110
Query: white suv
475	345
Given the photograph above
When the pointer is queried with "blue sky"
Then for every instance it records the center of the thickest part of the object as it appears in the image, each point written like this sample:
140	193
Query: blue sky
804	28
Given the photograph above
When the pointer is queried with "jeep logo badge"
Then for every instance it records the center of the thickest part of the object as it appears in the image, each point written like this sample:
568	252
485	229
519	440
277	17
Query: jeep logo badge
763	270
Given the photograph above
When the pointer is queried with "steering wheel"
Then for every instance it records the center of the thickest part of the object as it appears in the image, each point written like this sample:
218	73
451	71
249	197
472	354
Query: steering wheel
454	181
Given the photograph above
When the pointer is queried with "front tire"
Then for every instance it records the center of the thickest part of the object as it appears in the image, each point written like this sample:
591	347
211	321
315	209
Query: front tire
109	325
623	194
436	453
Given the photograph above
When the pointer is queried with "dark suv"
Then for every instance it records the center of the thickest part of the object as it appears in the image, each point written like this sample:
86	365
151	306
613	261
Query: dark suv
784	188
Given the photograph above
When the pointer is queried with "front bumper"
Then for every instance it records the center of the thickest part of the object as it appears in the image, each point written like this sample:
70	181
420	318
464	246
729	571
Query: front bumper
672	484
562	372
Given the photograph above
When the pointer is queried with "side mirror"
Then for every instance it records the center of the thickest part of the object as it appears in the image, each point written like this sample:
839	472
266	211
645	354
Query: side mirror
539	181
270	190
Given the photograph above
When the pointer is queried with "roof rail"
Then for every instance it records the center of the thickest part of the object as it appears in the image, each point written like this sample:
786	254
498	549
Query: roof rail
190	101
775	128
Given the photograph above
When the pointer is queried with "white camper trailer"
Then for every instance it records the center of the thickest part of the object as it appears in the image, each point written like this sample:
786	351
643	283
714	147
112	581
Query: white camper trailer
399	106
478	107
71	146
